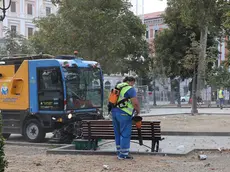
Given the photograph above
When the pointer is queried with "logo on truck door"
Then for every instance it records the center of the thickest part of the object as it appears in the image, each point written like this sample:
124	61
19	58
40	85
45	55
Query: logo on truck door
4	89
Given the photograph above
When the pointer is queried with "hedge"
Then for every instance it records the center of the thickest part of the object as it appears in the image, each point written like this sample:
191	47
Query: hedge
3	162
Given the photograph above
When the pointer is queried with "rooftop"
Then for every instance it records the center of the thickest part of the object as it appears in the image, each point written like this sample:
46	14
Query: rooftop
153	15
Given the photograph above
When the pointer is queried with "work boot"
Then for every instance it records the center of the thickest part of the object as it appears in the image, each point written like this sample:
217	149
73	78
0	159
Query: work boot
125	157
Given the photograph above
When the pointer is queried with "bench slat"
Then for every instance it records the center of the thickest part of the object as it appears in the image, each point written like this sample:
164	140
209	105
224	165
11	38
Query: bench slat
135	137
110	124
112	131
110	121
111	128
111	134
107	127
143	126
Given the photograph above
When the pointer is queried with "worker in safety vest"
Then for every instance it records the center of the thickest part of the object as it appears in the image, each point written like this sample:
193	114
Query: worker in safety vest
221	97
122	117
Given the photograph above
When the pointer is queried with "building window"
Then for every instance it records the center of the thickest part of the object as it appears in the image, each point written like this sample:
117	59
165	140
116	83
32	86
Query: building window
30	32
13	7
30	9
147	34
48	11
107	85
13	28
156	31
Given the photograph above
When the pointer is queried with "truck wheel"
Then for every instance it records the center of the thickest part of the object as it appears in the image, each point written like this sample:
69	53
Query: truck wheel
6	135
33	131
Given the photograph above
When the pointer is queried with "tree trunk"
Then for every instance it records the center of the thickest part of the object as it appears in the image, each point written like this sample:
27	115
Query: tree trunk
202	60
228	96
194	91
178	94
172	93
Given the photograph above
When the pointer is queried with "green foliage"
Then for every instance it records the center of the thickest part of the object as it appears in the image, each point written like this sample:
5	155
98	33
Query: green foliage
15	44
178	46
3	162
219	77
141	66
226	17
170	50
199	12
105	31
171	44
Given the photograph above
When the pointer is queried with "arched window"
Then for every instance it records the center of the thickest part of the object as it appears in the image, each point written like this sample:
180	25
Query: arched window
107	85
95	84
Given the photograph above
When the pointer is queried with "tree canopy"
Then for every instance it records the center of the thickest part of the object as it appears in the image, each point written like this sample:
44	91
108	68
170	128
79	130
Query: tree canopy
172	44
15	43
105	31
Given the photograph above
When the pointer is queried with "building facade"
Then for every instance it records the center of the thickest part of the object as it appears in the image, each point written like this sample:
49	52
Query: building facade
154	23
20	15
223	51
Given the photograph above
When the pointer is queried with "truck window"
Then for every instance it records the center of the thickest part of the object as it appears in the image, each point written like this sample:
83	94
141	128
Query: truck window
80	87
50	79
50	89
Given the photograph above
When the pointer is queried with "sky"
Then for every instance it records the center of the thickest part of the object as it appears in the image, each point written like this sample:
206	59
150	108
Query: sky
149	6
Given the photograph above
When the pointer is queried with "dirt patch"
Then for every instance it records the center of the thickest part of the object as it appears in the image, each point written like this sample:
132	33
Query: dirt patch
27	159
202	123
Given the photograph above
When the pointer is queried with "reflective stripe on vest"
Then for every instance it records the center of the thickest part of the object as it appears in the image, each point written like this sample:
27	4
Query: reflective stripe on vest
122	85
128	104
220	94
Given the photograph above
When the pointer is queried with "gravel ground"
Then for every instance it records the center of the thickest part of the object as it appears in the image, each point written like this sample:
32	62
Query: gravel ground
27	159
204	123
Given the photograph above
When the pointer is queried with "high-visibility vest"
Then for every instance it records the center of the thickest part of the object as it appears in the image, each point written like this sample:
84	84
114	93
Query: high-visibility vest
127	106
221	94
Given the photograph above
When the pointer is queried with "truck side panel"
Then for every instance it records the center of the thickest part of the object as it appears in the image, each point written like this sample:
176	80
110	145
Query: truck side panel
14	88
14	98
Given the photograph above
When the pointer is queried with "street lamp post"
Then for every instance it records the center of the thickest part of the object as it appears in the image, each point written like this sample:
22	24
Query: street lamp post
4	9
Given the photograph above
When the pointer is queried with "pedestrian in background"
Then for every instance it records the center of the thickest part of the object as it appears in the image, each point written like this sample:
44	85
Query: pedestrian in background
221	97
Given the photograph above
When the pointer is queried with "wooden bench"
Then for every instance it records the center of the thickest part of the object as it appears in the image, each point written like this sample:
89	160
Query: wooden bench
92	130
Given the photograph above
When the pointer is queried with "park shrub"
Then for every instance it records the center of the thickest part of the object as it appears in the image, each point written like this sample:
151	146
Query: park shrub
3	162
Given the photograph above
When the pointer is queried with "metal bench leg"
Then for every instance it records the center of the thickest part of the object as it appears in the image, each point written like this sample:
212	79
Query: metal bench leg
153	145
89	136
153	138
95	144
157	146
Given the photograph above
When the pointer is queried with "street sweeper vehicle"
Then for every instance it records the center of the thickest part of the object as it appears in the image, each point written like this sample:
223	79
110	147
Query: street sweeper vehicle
42	94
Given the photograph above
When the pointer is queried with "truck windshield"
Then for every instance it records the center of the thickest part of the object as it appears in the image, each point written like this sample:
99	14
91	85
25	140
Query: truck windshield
83	87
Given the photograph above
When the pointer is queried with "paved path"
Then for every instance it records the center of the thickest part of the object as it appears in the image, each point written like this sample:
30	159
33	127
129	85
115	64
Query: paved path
171	111
171	144
180	144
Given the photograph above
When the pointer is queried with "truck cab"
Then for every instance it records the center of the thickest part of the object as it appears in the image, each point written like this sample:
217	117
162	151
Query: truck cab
41	94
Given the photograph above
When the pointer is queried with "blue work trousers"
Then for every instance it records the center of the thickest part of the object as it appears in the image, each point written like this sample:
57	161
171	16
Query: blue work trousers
221	102
122	124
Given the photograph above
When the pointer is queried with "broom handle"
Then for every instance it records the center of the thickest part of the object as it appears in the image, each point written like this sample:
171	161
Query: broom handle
140	136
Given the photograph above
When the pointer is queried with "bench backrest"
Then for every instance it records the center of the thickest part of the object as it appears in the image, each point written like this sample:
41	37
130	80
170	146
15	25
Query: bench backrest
104	129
